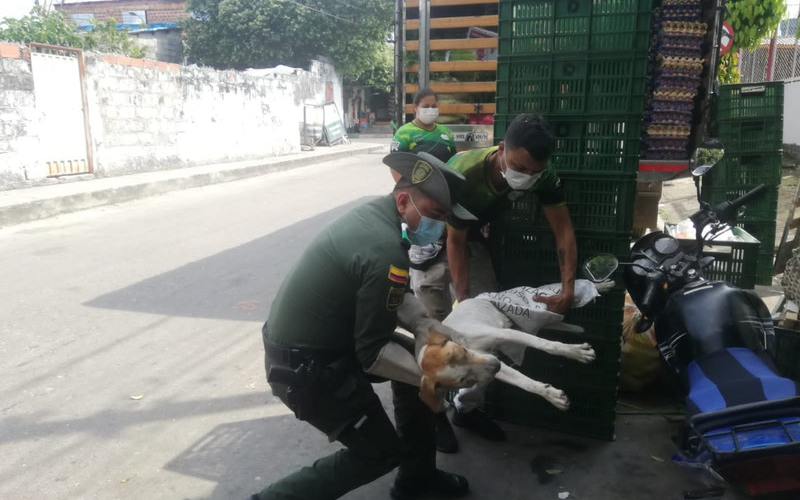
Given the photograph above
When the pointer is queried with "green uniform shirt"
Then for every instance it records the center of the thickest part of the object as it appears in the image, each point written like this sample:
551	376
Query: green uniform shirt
479	195
439	142
344	291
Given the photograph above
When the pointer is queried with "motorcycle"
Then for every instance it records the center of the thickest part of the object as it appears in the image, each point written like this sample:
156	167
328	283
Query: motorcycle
742	419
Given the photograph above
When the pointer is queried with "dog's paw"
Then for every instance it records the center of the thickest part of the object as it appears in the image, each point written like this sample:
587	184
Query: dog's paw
557	398
582	352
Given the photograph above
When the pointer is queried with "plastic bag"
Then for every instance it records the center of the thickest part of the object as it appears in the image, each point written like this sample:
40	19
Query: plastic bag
640	364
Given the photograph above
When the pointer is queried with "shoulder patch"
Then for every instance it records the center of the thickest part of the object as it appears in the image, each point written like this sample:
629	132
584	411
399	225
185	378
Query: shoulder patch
422	170
445	137
395	297
398	275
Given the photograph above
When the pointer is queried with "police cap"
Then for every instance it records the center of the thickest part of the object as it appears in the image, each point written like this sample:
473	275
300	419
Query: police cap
431	176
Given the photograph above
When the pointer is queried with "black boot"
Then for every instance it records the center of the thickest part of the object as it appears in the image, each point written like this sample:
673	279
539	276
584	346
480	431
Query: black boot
478	421
446	441
441	484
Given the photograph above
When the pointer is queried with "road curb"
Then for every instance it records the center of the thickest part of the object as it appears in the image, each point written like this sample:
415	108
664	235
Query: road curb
87	195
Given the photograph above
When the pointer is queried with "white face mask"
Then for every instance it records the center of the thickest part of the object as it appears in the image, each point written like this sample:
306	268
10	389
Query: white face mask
427	115
518	180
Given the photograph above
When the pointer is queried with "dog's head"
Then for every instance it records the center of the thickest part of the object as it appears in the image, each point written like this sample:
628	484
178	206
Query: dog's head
447	365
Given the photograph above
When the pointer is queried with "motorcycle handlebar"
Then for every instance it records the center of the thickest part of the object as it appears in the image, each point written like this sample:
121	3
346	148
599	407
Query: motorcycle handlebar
726	211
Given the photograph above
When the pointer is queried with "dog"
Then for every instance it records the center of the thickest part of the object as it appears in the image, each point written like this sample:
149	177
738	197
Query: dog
444	364
453	354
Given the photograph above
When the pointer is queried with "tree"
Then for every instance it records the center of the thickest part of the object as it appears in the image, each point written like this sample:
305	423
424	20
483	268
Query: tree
752	21
381	75
50	27
239	34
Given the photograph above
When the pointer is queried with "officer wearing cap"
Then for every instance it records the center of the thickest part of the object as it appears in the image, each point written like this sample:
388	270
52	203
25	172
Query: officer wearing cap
331	330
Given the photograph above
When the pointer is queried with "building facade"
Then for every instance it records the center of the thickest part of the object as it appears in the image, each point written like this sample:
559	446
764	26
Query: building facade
127	12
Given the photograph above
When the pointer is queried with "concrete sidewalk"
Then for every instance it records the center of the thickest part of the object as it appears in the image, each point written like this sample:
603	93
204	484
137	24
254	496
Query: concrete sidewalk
71	194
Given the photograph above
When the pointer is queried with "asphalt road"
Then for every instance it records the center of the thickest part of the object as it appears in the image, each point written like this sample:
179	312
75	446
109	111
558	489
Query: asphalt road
132	361
131	356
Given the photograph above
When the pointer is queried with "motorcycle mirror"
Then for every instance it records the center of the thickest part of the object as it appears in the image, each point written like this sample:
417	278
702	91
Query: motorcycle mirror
600	267
706	156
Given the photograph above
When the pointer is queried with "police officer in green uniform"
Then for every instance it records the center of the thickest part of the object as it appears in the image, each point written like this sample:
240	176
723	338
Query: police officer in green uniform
331	331
494	178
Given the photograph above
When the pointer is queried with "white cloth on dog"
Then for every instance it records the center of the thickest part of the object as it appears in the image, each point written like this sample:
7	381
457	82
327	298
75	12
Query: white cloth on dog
531	316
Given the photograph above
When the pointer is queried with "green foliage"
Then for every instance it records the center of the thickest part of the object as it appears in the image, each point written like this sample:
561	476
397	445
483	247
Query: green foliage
381	76
241	34
752	21
106	38
51	27
41	27
729	68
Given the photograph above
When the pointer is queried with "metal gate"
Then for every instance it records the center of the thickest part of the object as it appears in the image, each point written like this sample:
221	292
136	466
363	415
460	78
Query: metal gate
60	92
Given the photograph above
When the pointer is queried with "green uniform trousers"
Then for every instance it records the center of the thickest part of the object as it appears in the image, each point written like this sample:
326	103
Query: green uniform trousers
372	445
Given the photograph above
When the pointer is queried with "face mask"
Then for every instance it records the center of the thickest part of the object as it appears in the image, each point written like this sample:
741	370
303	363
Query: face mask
427	115
428	231
518	180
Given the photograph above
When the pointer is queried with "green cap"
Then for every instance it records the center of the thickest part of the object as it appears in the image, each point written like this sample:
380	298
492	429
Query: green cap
431	176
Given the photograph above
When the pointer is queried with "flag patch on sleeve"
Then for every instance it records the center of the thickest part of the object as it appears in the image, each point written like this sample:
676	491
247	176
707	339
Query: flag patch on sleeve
398	275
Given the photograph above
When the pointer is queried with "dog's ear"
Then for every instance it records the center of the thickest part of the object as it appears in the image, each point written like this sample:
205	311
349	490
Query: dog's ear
435	337
427	393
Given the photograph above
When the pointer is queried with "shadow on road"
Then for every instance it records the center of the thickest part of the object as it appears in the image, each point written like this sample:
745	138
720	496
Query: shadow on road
237	284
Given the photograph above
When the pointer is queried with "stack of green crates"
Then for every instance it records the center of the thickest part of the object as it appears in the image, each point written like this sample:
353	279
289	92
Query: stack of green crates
749	122
582	64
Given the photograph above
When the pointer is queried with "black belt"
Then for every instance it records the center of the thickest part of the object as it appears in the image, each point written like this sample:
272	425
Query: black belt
293	357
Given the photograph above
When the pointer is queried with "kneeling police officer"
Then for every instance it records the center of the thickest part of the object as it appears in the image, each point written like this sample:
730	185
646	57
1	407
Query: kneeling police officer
331	329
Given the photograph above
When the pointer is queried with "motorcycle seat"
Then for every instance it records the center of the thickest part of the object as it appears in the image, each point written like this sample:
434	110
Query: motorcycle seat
732	377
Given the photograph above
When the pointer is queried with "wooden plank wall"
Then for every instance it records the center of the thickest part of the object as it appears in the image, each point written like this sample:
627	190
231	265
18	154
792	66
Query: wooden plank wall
489	22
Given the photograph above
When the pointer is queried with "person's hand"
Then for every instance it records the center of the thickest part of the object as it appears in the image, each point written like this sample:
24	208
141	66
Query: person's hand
557	303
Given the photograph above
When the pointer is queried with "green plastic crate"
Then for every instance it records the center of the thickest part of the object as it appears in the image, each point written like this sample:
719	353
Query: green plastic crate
528	27
750	100
600	204
748	168
598	145
764	231
765	208
528	257
787	359
592	411
604	316
573	85
734	261
743	135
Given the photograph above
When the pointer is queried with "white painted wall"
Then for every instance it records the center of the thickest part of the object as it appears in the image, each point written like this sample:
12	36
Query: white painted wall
147	116
791	113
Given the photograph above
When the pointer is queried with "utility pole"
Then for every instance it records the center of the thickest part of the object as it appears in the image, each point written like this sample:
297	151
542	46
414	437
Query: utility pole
424	42
399	74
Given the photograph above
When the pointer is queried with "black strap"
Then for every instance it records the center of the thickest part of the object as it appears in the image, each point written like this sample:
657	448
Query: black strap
293	357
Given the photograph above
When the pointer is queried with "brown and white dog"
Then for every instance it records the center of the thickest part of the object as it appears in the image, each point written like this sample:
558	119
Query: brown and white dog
448	365
456	353
445	364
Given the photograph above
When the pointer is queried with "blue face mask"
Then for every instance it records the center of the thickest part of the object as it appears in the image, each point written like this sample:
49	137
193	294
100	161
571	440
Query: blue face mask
428	231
